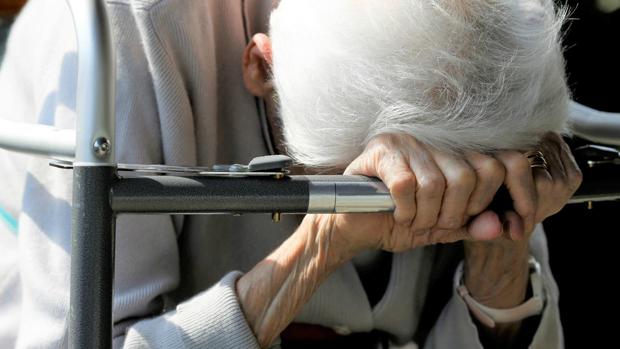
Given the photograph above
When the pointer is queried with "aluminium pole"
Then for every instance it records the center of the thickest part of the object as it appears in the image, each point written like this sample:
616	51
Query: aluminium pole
94	171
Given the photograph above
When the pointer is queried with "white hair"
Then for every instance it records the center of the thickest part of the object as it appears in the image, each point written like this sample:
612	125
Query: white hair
458	75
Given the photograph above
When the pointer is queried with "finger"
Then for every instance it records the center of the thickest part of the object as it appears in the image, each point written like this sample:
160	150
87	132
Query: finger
430	186
490	176
552	182
564	183
395	172
551	151
448	236
460	183
520	184
484	227
547	199
512	226
574	175
392	168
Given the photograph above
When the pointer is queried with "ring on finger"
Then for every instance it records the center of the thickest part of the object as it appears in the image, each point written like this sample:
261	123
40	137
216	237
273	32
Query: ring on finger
536	159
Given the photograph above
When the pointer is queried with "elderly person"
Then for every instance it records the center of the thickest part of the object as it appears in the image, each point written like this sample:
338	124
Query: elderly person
438	99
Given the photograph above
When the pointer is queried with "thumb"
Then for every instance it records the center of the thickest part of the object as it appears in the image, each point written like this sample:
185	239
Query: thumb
484	227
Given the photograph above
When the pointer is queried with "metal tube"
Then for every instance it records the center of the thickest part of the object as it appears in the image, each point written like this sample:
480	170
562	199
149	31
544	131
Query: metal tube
347	194
295	194
192	195
92	253
92	258
594	125
36	139
94	143
588	123
95	85
603	189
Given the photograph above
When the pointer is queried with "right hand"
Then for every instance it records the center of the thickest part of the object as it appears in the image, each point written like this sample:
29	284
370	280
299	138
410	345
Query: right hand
435	195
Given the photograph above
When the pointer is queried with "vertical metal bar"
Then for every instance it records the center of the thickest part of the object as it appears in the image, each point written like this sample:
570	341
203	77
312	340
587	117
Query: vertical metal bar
92	249
96	83
92	258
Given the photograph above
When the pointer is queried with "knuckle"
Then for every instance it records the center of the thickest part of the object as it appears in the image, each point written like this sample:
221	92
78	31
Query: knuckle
382	144
409	140
432	186
404	185
517	164
491	167
576	178
383	163
464	177
378	150
382	139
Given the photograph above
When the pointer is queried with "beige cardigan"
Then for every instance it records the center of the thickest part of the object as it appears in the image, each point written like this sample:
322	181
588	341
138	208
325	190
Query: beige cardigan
180	100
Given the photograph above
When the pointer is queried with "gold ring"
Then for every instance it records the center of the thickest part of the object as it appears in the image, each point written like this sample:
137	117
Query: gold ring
536	159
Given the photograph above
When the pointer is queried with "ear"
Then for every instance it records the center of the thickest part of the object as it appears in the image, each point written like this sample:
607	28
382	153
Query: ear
257	66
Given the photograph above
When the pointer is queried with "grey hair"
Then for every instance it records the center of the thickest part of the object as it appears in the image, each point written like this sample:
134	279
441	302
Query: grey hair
479	75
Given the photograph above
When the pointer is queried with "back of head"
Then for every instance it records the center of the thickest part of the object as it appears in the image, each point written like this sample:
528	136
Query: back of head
458	75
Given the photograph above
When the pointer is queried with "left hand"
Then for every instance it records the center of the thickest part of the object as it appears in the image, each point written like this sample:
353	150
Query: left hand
496	272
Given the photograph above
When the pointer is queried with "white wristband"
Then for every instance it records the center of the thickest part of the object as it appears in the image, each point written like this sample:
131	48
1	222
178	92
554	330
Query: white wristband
490	316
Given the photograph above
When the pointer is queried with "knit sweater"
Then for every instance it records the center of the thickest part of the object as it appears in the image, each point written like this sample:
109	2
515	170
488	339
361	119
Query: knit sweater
181	101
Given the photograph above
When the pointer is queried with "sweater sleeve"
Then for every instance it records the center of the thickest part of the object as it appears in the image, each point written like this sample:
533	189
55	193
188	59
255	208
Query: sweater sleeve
455	327
212	319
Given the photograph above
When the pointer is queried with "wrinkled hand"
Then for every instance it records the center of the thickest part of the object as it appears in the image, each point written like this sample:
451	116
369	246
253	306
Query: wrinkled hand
496	271
538	193
435	194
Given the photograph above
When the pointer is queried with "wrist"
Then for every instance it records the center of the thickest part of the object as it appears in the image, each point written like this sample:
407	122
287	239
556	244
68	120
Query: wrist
509	317
496	274
344	242
322	231
275	290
